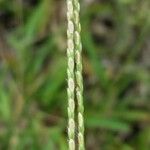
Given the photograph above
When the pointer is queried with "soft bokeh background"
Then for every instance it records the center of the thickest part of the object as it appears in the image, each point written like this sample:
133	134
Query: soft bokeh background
33	81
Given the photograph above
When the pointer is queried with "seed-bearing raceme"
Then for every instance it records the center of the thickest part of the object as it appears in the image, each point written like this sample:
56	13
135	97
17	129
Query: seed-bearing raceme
74	71
71	76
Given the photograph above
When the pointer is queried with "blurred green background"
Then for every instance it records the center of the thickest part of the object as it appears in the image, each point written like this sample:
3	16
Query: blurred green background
33	80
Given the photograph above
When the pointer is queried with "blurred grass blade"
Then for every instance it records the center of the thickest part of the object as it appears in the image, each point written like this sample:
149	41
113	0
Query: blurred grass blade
107	123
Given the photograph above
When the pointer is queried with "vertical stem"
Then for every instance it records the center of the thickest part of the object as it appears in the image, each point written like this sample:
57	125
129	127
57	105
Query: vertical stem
70	73
78	74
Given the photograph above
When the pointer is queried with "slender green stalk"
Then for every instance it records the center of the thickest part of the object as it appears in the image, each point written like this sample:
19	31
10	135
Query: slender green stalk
74	56
71	78
78	73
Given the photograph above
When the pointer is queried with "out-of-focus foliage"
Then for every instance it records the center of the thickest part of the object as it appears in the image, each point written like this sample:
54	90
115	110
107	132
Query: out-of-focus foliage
116	58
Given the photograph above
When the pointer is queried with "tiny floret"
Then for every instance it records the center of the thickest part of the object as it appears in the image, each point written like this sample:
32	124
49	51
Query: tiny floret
71	84
70	27
80	117
71	145
70	45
